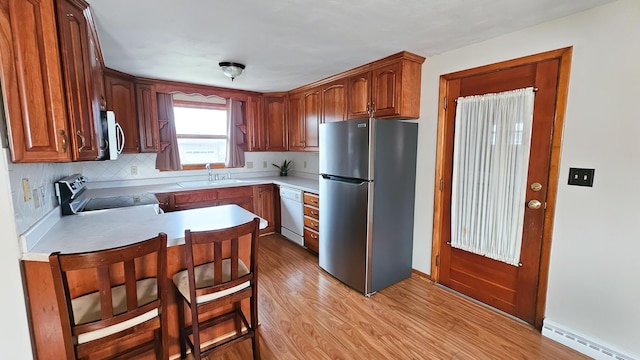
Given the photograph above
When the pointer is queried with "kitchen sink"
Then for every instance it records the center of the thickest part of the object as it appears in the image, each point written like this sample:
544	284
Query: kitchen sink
205	183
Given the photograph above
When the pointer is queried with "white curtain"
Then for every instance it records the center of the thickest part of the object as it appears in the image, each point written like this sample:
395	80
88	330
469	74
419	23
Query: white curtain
490	163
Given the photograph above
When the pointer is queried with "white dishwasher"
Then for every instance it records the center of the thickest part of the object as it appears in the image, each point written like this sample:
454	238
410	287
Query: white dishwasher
292	214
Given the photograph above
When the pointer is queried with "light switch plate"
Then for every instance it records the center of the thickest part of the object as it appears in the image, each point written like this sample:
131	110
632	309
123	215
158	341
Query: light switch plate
581	177
249	164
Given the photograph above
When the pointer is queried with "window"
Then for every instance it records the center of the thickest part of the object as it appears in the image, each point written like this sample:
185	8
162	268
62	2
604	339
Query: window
201	129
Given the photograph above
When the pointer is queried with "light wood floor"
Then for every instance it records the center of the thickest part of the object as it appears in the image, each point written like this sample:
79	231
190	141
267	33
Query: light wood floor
307	314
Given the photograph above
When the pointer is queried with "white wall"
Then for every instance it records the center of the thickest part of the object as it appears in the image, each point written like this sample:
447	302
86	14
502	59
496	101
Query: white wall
14	331
594	281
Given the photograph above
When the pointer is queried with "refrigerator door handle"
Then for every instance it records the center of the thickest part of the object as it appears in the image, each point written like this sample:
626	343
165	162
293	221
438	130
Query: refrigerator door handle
344	180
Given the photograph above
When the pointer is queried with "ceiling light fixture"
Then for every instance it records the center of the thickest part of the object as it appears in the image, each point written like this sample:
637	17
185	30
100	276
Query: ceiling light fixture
231	69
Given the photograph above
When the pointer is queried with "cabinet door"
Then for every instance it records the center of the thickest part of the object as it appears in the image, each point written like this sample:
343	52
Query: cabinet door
255	120
334	101
32	82
264	206
311	117
84	126
275	122
386	90
359	93
147	109
295	123
121	99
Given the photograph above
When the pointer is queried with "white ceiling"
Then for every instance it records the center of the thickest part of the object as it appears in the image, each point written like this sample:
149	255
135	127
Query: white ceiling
289	43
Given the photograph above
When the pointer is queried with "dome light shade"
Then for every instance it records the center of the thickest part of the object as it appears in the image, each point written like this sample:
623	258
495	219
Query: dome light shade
231	69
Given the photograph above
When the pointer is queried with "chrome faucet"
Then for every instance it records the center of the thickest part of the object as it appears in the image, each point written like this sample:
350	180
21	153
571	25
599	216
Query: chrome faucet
228	175
208	167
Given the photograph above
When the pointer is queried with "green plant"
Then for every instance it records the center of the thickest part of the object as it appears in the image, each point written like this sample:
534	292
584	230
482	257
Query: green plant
284	168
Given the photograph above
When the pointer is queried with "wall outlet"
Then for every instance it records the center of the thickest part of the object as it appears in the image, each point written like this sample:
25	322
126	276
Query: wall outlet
134	170
26	190
43	199
36	198
305	164
264	164
249	164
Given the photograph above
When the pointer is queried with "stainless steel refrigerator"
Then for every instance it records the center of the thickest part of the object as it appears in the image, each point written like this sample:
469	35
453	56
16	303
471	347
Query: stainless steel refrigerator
367	195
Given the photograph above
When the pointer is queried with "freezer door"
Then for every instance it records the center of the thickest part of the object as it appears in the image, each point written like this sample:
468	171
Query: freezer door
343	229
344	148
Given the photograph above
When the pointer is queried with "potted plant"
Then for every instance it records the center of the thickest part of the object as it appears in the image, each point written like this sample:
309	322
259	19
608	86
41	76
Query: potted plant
284	168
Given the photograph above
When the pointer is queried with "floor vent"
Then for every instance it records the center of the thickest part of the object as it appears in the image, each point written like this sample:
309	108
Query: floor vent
581	344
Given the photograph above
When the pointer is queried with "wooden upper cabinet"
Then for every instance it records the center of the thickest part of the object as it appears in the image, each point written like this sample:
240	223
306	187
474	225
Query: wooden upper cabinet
275	122
84	122
295	122
32	82
334	101
311	119
385	90
255	121
390	89
359	95
121	99
147	109
303	120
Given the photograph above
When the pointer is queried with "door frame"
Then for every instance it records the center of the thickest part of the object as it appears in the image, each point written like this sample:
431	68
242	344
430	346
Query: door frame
448	105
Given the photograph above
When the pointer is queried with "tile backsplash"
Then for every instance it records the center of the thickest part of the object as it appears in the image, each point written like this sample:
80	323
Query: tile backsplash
129	167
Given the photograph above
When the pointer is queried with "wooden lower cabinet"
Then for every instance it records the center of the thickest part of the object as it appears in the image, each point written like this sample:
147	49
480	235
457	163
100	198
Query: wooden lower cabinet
44	316
264	206
312	222
258	199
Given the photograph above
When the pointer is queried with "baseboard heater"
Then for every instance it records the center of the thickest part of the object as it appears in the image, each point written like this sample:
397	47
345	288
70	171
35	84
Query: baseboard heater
581	343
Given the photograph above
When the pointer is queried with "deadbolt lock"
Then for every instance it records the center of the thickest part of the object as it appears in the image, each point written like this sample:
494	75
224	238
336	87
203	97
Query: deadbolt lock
536	186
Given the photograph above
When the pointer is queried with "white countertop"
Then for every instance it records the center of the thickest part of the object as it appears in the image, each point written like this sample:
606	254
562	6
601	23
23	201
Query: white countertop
303	184
102	229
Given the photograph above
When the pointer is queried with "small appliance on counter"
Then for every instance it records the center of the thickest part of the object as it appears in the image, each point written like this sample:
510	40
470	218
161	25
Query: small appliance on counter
73	200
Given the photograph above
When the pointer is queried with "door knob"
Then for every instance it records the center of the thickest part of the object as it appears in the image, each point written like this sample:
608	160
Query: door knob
534	204
536	186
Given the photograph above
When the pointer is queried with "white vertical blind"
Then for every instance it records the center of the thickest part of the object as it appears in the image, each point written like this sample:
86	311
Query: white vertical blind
490	162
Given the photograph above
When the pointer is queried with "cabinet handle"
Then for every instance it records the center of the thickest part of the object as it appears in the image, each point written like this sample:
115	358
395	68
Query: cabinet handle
64	141
315	237
103	102
373	108
314	201
69	15
82	141
315	225
314	212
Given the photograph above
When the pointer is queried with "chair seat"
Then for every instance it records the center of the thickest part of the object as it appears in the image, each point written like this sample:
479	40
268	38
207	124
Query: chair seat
86	309
204	278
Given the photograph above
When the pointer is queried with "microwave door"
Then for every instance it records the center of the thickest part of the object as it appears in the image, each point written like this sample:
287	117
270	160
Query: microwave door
120	138
112	135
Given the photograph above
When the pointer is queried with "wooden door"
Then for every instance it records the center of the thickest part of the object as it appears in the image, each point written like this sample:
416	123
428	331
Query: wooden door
121	99
31	82
295	123
359	95
311	117
147	110
512	289
276	123
334	101
79	82
386	83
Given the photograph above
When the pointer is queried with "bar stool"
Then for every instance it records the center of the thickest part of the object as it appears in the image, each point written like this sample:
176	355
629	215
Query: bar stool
214	283
108	298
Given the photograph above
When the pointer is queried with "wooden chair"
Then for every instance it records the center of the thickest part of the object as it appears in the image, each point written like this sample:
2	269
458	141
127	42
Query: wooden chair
106	301
218	280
